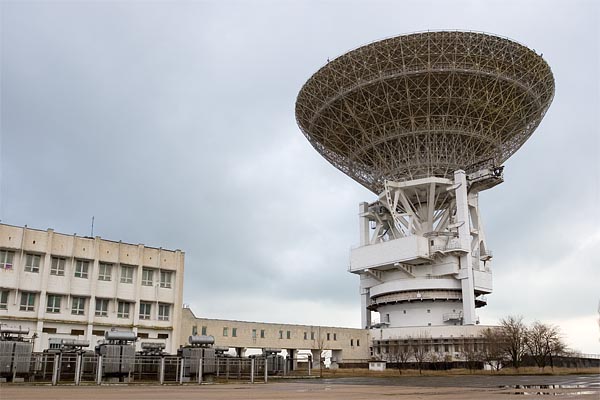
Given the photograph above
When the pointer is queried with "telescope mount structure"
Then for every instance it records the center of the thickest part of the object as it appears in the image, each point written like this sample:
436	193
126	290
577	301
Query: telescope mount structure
425	121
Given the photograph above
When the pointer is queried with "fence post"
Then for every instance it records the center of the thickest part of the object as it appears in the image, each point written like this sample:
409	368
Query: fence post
181	371
14	365
227	369
266	369
161	376
99	371
252	370
78	368
55	371
217	362
200	370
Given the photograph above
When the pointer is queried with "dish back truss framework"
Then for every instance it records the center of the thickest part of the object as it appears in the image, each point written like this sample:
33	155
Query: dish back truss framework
425	121
424	104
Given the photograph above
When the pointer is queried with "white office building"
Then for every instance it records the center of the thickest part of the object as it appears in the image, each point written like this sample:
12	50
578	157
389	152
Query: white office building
68	286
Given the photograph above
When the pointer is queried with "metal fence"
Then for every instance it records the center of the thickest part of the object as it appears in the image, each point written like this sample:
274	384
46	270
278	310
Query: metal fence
89	368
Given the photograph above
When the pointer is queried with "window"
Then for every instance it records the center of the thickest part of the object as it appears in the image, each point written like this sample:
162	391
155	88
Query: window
53	305
104	271
57	266
204	330
48	330
233	332
27	301
305	335
163	336
163	312
225	331
123	309
335	336
142	335
194	330
78	306
81	269
6	259
77	332
262	333
97	332
253	333
126	274
358	342
351	342
312	336
288	334
147	276
145	310
280	334
3	299
328	335
101	307
32	263
165	279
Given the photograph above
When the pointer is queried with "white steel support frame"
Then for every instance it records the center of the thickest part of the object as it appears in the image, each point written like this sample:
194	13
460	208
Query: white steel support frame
443	213
464	236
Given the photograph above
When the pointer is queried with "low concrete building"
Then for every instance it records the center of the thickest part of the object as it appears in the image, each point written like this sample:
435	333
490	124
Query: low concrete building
438	343
346	344
68	286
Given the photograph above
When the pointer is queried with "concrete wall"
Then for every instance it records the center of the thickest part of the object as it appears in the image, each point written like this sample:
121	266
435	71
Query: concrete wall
20	242
349	343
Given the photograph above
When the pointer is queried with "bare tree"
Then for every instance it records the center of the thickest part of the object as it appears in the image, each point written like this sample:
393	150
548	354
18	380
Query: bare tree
400	354
493	348
470	354
514	333
420	350
435	357
544	342
319	344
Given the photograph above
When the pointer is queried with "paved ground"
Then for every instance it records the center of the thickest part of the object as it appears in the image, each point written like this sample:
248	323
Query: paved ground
474	381
437	388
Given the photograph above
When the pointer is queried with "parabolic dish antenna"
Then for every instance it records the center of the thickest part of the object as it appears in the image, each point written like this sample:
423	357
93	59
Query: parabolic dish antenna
424	105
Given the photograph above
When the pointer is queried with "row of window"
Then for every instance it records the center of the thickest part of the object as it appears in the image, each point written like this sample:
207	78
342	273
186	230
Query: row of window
55	304
100	333
288	334
82	267
446	348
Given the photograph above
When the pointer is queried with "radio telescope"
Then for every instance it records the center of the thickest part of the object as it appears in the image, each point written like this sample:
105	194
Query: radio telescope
425	121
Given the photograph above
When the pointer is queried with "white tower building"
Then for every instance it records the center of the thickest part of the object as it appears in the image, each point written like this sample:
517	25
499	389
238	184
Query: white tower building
423	259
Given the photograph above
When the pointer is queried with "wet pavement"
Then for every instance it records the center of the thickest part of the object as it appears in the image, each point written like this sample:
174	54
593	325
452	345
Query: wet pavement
462	387
474	381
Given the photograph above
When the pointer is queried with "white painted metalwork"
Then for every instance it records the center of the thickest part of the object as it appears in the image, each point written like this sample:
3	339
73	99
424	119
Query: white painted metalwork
425	121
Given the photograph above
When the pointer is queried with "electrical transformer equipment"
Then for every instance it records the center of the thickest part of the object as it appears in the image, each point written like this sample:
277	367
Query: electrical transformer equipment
199	350
15	352
117	352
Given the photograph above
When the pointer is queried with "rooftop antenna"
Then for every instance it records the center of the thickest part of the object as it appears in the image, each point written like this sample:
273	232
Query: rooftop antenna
92	235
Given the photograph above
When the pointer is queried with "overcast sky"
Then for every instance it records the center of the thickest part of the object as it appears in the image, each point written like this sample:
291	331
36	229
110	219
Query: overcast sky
173	124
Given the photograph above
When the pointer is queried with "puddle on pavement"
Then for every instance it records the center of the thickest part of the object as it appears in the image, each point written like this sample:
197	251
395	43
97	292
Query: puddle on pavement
542	390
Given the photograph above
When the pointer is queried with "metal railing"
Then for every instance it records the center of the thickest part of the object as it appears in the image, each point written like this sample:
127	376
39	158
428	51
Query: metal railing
89	368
